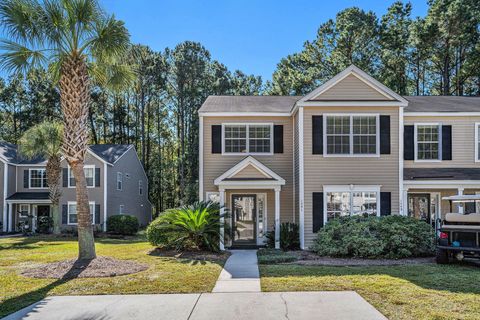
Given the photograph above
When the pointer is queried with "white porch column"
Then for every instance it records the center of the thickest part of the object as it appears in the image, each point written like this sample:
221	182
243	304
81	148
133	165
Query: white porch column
404	209
460	204
5	217
10	217
222	219
277	218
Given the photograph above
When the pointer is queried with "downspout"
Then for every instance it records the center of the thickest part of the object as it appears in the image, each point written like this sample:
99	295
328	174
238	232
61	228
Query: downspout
5	186
105	197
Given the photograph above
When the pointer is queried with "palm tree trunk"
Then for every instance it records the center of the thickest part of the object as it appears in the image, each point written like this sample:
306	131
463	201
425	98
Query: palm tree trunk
74	97
53	178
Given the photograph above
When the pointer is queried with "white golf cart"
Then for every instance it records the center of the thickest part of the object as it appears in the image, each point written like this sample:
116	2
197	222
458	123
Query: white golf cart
459	232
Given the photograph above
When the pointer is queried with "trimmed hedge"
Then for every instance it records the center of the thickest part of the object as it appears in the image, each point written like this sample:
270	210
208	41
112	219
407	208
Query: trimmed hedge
122	224
289	237
391	237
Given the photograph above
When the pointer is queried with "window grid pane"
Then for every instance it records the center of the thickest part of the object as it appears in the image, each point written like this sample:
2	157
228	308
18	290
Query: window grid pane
351	203
72	213
338	204
428	141
259	138
89	176
364	135
338	134
236	139
38	178
364	203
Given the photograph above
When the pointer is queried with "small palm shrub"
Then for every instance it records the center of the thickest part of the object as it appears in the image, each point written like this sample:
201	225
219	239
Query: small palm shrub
289	237
195	227
122	224
391	237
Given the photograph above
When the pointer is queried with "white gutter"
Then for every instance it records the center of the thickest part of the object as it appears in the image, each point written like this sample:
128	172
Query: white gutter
105	196
5	186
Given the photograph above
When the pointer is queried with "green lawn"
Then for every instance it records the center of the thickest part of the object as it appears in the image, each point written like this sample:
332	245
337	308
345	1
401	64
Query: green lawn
165	275
399	292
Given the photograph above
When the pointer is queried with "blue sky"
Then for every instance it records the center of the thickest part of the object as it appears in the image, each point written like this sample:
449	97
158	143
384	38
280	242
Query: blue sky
250	35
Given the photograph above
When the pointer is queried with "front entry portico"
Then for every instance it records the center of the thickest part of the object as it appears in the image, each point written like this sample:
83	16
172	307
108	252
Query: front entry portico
246	190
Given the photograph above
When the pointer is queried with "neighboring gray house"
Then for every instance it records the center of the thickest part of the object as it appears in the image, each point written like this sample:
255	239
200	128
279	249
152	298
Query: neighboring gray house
116	182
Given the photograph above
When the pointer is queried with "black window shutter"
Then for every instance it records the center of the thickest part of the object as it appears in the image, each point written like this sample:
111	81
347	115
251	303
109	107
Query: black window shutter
385	203
65	177
64	214
384	134
278	139
97	214
446	142
317	211
25	179
317	134
408	143
216	139
97	177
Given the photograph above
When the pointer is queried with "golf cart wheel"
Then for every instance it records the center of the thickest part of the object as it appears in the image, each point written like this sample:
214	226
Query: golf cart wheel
442	256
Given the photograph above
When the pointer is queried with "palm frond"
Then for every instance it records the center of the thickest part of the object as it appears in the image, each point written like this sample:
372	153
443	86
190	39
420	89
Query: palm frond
42	140
20	58
110	42
20	20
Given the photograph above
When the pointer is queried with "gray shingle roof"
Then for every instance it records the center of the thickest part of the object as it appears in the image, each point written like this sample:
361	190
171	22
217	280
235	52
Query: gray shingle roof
249	103
441	174
286	104
29	196
108	152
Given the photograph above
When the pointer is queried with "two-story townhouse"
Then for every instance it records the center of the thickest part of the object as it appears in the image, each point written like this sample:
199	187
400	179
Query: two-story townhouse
116	184
351	146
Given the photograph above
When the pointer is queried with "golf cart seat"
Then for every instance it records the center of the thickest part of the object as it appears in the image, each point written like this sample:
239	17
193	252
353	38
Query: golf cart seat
463	218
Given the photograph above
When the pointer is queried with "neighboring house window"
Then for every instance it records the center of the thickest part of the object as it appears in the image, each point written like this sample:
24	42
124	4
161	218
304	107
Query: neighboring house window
24	210
121	209
89	176
119	181
349	203
427	138
38	178
213	196
248	138
72	212
140	187
351	134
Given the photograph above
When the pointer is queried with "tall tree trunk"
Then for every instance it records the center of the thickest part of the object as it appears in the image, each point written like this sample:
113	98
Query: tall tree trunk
53	169
74	98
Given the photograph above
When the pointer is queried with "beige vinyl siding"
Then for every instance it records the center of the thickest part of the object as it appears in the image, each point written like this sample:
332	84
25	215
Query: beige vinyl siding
250	172
463	142
351	88
214	165
319	170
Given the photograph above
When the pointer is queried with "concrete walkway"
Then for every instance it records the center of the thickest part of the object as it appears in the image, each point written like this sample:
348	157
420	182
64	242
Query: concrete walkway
240	273
345	305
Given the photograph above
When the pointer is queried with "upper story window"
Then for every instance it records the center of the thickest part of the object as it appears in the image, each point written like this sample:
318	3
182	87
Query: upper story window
89	176
140	187
351	135
427	142
38	178
247	138
119	181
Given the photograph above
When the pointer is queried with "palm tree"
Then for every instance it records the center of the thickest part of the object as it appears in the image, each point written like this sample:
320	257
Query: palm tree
78	42
45	141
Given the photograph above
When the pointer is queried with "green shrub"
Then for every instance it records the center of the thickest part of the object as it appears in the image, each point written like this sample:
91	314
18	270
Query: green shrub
289	237
271	256
391	237
45	224
122	224
195	227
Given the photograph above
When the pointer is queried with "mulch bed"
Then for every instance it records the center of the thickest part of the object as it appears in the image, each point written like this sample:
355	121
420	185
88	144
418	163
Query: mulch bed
308	258
96	268
192	255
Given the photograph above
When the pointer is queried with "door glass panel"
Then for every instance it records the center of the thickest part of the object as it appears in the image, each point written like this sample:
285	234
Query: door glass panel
261	214
244	218
419	206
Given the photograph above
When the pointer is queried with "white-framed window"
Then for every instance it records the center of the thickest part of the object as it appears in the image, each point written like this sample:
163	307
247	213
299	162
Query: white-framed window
37	178
140	187
72	212
428	138
24	210
89	176
121	209
247	138
213	196
351	200
477	142
119	181
351	135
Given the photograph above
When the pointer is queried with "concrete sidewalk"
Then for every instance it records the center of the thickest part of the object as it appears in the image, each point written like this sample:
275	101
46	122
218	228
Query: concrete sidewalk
345	305
240	273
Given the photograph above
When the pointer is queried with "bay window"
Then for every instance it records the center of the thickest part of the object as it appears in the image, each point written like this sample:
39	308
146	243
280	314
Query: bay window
351	135
247	138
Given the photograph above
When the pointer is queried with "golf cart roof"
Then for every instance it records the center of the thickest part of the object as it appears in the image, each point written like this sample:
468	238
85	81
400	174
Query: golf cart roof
463	198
